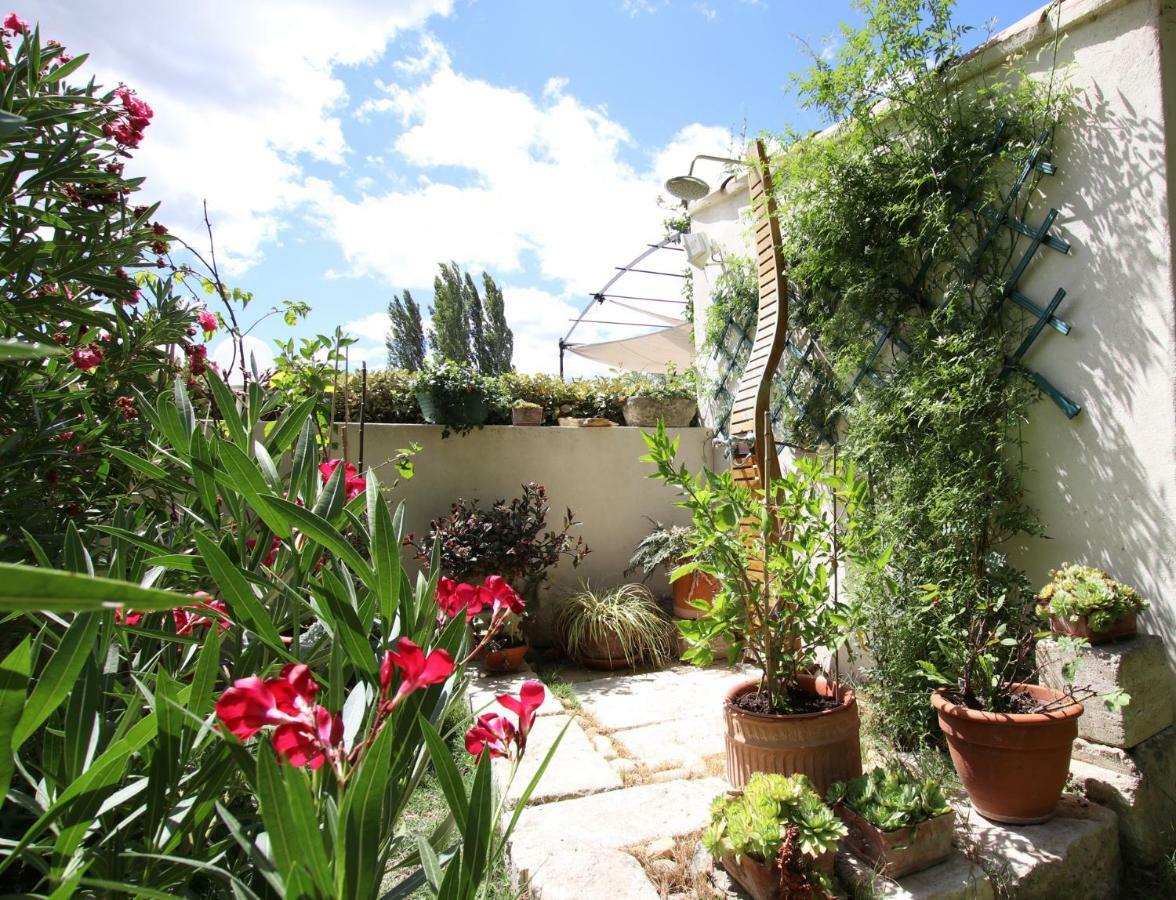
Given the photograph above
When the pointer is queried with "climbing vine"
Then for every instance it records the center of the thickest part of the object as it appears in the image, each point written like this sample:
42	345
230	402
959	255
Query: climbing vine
880	239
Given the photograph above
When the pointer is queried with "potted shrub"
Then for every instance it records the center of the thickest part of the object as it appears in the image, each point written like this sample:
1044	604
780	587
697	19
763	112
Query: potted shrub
897	823
1009	739
776	837
510	538
777	558
524	412
1082	601
671	398
615	629
668	546
450	394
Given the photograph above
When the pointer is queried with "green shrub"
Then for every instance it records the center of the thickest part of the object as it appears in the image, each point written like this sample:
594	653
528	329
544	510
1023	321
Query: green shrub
1075	591
890	798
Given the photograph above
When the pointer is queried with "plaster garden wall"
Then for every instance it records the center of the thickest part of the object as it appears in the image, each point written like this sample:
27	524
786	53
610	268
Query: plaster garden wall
1104	481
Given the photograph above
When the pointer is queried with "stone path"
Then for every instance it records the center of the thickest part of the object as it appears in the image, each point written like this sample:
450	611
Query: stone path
640	762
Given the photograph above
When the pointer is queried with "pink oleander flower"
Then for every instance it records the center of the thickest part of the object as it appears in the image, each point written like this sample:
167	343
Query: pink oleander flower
205	614
207	322
493	733
127	617
15	24
417	669
502	595
353	484
86	358
525	705
453	597
305	734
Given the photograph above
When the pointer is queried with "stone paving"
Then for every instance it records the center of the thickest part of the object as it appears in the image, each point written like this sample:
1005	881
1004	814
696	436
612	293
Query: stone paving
641	760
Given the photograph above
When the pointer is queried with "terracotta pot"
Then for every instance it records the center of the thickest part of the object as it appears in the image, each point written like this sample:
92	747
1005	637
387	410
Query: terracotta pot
606	654
900	852
825	746
526	415
1013	765
762	881
1124	628
509	659
695	586
644	412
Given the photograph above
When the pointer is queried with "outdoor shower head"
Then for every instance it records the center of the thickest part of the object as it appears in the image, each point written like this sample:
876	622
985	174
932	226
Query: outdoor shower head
690	187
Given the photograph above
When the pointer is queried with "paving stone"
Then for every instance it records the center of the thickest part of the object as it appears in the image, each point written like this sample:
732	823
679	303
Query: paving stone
1075	855
663	775
485	687
575	770
585	872
1138	666
677	742
546	835
604	746
622	765
956	878
679	693
1138	785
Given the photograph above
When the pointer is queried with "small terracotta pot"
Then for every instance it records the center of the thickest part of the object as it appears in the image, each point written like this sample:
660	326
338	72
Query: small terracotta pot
607	654
509	659
526	415
825	746
1013	765
695	586
1124	628
762	881
900	852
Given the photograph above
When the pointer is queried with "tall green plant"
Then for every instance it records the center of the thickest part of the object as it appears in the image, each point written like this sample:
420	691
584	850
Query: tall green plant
406	337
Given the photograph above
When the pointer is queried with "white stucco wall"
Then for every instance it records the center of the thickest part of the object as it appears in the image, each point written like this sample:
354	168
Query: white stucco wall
1104	482
596	472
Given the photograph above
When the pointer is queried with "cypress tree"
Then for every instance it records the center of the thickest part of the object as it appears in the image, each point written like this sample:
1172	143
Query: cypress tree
474	322
451	337
496	334
406	338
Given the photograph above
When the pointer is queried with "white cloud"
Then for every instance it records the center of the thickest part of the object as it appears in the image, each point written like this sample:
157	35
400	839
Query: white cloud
240	91
708	12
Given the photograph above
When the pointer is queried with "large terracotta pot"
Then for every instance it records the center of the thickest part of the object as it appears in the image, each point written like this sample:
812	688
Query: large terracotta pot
695	586
902	851
606	654
509	659
762	881
1013	765
1124	628
825	746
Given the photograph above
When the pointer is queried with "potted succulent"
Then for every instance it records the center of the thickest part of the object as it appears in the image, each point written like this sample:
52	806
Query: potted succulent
670	398
524	412
897	823
777	557
1082	601
615	629
450	394
776	837
667	546
1009	739
510	538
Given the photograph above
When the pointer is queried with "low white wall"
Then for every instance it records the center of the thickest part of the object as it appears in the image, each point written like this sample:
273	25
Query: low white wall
596	472
1104	482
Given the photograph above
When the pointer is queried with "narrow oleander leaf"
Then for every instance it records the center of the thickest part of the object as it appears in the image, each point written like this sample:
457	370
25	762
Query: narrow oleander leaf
237	591
14	680
448	777
58	677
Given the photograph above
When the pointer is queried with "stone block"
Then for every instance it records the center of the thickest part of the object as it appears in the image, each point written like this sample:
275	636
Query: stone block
956	878
1138	666
582	872
575	770
679	742
683	692
485	688
1139	785
1075	855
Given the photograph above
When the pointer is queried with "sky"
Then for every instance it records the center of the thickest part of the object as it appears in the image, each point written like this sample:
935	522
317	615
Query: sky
344	149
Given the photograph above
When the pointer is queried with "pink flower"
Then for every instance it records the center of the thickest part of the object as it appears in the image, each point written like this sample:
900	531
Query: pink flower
502	595
305	734
453	597
127	617
530	698
16	24
418	669
204	614
491	732
86	358
352	483
208	322
272	556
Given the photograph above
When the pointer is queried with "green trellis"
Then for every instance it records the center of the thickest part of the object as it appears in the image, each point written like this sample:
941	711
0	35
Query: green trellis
804	385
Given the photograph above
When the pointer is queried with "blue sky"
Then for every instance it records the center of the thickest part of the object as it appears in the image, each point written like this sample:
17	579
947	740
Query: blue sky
346	148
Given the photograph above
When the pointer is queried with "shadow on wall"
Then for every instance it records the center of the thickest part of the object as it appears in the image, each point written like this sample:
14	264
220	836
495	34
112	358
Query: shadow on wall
1103	481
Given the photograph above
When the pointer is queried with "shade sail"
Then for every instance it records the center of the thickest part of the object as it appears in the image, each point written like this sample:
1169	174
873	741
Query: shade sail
652	352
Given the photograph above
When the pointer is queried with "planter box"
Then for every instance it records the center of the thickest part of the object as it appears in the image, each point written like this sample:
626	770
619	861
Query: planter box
898	853
468	409
762	881
1124	628
644	412
526	415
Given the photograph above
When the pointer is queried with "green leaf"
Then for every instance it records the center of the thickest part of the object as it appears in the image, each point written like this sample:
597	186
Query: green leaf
20	351
65	69
245	477
322	532
237	590
14	679
30	589
58	677
363	820
447	775
226	405
291	822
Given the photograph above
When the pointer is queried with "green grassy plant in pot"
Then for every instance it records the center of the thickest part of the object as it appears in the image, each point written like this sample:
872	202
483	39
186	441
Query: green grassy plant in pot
897	823
1009	739
450	394
777	557
670	397
667	546
615	629
1085	602
776	838
524	412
